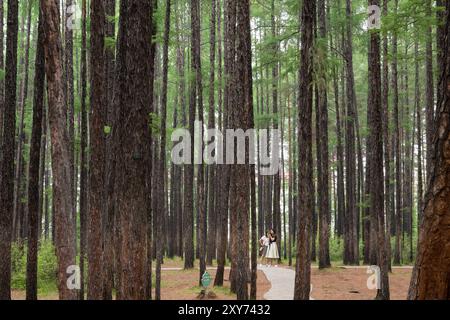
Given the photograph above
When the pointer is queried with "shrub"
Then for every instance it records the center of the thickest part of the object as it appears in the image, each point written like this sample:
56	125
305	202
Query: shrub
47	267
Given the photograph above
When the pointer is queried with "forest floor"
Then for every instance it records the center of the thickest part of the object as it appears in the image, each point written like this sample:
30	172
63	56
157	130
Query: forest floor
337	283
350	283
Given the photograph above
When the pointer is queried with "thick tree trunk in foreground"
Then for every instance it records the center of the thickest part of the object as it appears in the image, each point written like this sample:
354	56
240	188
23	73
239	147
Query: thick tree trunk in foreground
8	143
305	183
83	152
431	275
241	177
134	151
110	197
35	157
62	182
97	150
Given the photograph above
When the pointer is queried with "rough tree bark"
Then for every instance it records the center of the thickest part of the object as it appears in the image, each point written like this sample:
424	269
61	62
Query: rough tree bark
110	199
375	159
241	172
305	181
97	152
8	143
322	148
431	275
62	182
83	151
70	101
134	150
33	171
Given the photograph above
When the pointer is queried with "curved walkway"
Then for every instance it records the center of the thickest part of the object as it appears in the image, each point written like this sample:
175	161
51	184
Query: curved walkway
282	281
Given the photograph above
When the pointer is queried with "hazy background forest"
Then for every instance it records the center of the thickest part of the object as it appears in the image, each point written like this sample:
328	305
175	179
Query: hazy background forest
91	92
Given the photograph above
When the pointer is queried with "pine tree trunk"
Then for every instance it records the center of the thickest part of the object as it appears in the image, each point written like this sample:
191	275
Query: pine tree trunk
201	199
398	180
97	152
276	211
212	213
375	159
110	197
178	171
418	110
7	164
19	214
387	141
351	251
188	211
408	127
431	277
429	89
83	153
62	182
340	189
323	172
151	175
162	156
2	82
134	149
229	96
241	173
291	184
35	157
305	182
70	101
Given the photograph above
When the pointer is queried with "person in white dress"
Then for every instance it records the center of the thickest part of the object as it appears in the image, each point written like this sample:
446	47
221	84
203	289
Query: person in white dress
264	245
272	254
